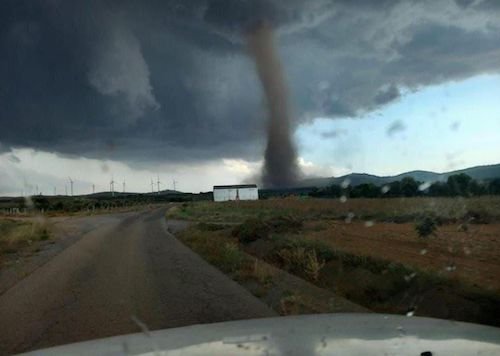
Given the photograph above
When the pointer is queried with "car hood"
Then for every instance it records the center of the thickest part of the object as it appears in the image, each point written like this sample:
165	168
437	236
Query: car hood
339	334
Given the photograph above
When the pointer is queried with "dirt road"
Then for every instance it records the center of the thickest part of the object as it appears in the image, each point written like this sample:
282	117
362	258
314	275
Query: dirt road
125	271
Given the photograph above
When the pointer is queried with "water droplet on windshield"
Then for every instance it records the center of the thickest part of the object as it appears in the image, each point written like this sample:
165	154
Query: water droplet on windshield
369	223
349	217
345	183
343	199
409	277
423	251
385	189
451	268
424	186
410	313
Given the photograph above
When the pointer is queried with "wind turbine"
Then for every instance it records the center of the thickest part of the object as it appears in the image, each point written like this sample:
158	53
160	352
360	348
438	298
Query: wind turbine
152	186
93	188
123	185
158	183
71	183
25	186
55	190
66	189
112	186
175	184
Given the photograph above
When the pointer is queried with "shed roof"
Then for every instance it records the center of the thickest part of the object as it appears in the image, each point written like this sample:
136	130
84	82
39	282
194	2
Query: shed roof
238	186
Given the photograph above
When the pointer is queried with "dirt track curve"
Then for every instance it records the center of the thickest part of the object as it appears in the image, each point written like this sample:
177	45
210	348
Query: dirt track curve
125	267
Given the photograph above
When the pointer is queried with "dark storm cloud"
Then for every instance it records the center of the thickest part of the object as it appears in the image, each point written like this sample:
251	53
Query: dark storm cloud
333	133
395	128
166	80
387	95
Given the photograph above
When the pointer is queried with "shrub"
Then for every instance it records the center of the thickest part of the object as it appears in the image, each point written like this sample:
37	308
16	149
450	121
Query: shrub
254	229
290	304
229	258
301	261
210	227
261	272
426	225
313	265
478	216
284	223
251	230
44	235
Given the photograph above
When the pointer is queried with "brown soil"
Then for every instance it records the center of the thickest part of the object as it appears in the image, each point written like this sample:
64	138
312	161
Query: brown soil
472	256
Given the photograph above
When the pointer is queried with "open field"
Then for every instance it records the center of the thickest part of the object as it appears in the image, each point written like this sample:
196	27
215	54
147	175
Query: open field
92	203
367	250
484	209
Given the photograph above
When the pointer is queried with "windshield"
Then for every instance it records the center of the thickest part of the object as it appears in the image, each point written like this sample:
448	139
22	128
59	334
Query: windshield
174	163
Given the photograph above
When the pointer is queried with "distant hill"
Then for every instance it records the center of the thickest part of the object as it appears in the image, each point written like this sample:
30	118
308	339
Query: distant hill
478	173
121	194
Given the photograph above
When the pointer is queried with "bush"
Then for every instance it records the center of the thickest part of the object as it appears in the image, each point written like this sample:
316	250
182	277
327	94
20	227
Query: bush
254	229
478	216
313	265
290	305
301	261
230	258
284	223
44	235
426	225
251	230
210	227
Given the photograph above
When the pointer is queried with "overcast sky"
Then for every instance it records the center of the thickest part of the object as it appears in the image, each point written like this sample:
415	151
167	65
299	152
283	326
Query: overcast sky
133	90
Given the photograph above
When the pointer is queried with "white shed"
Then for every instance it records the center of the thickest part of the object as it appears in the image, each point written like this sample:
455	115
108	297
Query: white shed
236	192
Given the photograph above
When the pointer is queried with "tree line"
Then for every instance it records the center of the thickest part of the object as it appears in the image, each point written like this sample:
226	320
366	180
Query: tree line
456	185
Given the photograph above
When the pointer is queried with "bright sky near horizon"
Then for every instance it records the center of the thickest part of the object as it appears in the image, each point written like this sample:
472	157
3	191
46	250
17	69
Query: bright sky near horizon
439	128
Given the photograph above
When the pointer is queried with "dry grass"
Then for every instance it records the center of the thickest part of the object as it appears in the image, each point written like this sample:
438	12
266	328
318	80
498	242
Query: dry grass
291	305
215	248
482	209
19	235
261	272
283	292
298	259
368	251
